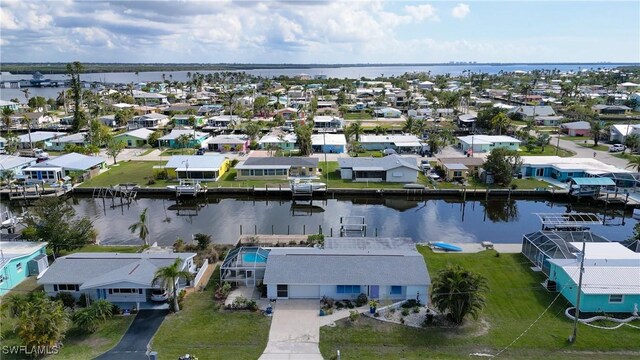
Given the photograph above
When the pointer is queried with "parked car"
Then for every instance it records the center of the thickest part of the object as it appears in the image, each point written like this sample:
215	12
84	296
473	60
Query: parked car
617	148
201	151
425	165
159	295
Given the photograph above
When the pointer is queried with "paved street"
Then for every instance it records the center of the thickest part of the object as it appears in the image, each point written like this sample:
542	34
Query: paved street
605	157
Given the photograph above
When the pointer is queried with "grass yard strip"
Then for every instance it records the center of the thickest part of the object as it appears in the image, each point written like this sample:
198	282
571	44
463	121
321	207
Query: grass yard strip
514	301
205	331
592	147
549	150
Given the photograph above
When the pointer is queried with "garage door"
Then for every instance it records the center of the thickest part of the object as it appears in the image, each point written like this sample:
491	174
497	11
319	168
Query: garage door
304	291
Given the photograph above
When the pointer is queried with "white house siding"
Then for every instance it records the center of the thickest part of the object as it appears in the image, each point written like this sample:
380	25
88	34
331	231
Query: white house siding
420	292
402	174
304	291
346	174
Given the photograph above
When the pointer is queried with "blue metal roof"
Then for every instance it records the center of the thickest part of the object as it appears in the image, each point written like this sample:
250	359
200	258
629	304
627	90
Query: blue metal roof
602	181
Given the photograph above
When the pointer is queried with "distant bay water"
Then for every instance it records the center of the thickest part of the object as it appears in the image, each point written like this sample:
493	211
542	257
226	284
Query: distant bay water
330	72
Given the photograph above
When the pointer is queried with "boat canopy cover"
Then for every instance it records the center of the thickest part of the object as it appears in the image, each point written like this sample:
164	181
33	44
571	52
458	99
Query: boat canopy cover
599	181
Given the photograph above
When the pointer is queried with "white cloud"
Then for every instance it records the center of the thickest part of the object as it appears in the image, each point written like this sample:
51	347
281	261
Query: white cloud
7	20
422	12
460	11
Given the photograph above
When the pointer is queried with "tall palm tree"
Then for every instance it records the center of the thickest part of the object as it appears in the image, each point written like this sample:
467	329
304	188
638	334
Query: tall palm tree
26	95
168	277
631	141
500	122
6	116
27	122
596	131
459	292
141	227
355	130
634	163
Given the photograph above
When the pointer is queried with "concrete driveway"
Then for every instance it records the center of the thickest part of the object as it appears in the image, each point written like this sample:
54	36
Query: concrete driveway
133	345
295	331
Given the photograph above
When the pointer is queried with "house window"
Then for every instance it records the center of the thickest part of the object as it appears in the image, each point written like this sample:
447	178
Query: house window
66	287
123	291
457	173
19	267
616	299
348	289
396	290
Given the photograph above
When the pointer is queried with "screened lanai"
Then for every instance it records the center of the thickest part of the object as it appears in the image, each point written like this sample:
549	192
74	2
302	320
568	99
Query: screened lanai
543	245
244	265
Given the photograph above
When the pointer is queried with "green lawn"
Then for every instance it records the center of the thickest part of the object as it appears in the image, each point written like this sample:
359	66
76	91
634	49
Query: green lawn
363	115
592	147
76	345
203	330
104	248
171	152
549	150
475	183
138	172
575	138
514	302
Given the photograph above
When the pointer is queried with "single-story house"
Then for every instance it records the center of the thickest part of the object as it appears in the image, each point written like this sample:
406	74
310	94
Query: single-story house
576	128
278	141
125	280
472	165
548	120
108	120
135	138
391	168
151	120
387	113
59	143
21	259
562	169
15	164
486	143
196	138
147	98
288	113
425	85
45	137
531	112
619	132
185	120
611	109
399	143
36	119
196	167
628	86
223	121
226	143
347	270
277	168
328	143
332	123
610	279
9	104
52	171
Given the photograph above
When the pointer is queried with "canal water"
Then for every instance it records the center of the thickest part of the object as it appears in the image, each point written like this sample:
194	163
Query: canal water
499	220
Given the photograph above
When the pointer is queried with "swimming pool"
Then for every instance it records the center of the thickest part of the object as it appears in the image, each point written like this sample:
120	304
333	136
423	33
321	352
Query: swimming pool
254	258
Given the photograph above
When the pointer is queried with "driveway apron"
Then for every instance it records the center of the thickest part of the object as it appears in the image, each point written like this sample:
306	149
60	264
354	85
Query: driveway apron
133	345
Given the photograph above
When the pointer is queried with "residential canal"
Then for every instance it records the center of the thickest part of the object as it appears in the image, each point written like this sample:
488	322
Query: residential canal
498	220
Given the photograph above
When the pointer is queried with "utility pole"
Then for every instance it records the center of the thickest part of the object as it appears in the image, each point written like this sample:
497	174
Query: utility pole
573	337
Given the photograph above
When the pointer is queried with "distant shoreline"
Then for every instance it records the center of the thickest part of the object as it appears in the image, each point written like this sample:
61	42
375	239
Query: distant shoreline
60	68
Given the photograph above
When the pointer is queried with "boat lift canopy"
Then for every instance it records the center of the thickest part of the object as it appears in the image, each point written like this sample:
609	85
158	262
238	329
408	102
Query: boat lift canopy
568	219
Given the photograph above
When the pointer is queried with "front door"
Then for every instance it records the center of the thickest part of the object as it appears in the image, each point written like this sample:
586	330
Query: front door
283	291
374	291
539	172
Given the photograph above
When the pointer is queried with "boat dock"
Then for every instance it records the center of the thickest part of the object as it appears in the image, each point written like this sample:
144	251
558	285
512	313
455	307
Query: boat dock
34	192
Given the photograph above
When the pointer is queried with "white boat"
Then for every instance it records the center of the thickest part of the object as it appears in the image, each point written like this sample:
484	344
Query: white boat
307	186
188	187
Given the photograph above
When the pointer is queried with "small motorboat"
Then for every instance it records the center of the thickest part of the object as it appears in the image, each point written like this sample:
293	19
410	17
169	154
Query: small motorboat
446	246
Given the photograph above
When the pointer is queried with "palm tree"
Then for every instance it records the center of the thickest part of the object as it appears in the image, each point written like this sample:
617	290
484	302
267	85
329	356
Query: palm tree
632	141
6	116
459	292
596	131
634	163
27	122
355	130
168	277
141	227
41	321
26	95
500	122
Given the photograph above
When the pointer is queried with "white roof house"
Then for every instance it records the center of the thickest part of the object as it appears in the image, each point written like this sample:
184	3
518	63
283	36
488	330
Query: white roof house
195	162
328	139
487	139
398	140
142	133
589	165
38	136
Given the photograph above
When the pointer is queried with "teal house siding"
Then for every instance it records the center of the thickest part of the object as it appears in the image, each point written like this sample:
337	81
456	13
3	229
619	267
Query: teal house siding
15	268
130	141
596	303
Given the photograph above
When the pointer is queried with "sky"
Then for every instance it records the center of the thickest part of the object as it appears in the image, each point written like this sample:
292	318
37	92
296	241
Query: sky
319	31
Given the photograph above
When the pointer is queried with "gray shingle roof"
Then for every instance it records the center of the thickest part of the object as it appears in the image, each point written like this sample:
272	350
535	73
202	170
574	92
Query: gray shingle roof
99	269
74	161
385	163
311	266
577	125
369	243
292	161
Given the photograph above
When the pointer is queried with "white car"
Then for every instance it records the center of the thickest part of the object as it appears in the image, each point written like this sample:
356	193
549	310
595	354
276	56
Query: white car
616	148
159	295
